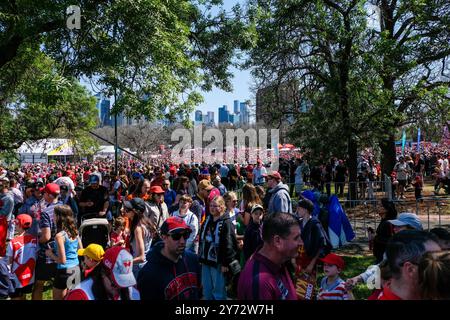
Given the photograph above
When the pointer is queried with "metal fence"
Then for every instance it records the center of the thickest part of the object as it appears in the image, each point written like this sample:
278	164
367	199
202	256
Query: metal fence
433	212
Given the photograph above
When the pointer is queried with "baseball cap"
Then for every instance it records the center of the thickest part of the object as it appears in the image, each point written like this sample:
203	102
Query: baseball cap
274	174
52	188
407	219
205	184
93	178
156	190
24	220
334	259
173	225
135	203
93	251
256	207
119	263
136	175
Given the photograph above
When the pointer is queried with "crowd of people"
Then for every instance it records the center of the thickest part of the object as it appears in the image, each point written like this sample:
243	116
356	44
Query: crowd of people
200	231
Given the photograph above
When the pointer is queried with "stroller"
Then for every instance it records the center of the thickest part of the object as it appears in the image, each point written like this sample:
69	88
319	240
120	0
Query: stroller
95	230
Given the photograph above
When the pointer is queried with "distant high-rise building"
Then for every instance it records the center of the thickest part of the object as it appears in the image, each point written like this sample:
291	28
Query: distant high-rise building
209	118
236	106
198	117
223	114
244	114
104	110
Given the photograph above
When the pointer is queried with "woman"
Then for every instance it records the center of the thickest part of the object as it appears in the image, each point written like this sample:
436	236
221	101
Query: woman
249	199
141	232
384	230
314	240
181	187
218	250
434	276
112	279
67	245
142	191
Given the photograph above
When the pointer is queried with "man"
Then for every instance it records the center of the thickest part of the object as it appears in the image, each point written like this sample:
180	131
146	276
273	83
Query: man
66	180
404	252
339	178
6	212
66	198
158	179
224	170
45	267
218	184
259	174
171	273
280	200
157	209
401	168
136	177
265	276
94	198
169	194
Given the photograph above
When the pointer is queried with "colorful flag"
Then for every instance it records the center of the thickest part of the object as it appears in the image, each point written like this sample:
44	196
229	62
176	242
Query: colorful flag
403	142
418	140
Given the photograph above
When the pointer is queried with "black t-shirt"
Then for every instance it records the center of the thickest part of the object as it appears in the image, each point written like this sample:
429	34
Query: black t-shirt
418	165
340	172
98	196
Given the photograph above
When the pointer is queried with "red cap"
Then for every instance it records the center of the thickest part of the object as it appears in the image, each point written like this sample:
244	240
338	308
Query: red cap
119	262
174	224
275	174
156	190
52	188
24	220
332	258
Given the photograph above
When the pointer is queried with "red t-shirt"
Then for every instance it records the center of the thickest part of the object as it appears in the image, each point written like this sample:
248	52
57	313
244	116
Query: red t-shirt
387	294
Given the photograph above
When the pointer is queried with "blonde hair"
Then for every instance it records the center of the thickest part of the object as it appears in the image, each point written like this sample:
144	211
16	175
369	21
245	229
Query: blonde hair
434	275
230	195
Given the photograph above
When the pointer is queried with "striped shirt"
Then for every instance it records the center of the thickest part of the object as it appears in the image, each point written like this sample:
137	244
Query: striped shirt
333	291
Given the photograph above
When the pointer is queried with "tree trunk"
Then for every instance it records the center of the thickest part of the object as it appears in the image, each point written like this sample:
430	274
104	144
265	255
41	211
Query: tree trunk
388	155
352	168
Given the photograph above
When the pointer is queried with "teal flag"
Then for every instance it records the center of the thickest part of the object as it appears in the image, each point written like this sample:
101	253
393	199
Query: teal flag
403	142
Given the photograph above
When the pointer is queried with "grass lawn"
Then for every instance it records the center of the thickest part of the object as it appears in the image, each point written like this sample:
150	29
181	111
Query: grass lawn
354	265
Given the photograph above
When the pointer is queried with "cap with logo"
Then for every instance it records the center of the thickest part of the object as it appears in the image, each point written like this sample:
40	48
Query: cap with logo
173	225
119	262
24	220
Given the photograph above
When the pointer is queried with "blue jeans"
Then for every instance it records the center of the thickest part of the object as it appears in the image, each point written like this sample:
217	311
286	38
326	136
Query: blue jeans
213	281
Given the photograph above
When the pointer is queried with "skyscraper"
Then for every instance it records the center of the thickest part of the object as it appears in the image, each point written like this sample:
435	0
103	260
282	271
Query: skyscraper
209	118
104	110
198	117
223	114
244	114
236	106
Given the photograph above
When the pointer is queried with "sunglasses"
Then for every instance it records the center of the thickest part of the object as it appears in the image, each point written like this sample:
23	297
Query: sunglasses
177	236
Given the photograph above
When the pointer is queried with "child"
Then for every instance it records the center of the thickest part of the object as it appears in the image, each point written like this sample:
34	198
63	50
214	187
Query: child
21	254
253	237
371	236
67	244
418	186
118	236
191	220
332	287
92	256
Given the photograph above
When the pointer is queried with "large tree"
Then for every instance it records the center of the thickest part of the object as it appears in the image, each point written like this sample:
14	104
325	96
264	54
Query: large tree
310	54
413	46
151	55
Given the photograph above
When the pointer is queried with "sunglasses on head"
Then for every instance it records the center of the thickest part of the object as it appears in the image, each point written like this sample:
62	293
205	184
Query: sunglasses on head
177	236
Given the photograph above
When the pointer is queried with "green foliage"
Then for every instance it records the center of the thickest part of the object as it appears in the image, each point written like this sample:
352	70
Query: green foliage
150	55
40	101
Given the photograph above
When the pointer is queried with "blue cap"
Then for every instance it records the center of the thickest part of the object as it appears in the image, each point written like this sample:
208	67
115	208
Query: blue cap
136	175
94	179
407	219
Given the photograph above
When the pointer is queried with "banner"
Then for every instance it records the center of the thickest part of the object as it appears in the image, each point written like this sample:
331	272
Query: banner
418	140
403	142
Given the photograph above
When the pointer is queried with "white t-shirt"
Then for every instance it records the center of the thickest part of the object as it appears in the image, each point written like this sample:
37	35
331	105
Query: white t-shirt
401	170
